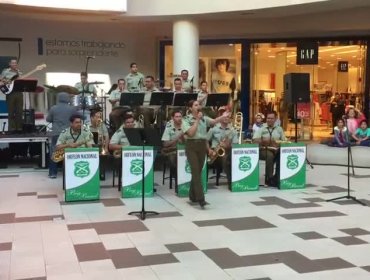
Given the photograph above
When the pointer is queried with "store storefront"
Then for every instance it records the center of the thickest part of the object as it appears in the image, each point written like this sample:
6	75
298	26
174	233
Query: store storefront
259	68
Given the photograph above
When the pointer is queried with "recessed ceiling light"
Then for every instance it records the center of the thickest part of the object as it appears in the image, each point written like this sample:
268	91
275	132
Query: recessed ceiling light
268	50
231	45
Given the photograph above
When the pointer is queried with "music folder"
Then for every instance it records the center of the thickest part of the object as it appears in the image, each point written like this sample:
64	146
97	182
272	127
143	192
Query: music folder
131	99
161	98
217	99
182	99
24	85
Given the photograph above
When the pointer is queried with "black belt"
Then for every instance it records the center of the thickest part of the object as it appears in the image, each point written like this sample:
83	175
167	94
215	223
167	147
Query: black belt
196	140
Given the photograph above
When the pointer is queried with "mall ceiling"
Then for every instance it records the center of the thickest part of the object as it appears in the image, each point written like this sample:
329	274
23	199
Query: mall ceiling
335	17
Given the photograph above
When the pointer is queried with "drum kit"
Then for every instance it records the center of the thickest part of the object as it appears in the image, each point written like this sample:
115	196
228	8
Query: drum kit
87	102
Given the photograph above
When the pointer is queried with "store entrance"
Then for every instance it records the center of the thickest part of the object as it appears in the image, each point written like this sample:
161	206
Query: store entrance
341	71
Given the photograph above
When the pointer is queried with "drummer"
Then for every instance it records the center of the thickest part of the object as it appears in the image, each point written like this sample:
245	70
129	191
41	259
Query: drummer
84	87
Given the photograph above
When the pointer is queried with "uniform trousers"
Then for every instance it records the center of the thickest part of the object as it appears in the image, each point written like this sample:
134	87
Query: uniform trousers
196	150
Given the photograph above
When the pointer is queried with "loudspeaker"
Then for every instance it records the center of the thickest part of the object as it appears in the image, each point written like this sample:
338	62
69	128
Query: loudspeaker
297	87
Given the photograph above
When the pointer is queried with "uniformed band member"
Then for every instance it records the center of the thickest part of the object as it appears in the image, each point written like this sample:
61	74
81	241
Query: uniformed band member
99	130
85	87
268	137
177	86
135	79
185	82
172	136
195	126
222	135
119	138
75	136
14	100
115	95
203	94
148	112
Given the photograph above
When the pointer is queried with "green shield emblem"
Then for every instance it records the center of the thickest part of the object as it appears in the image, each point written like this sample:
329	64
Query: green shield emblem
245	163
187	167
136	167
82	169
292	162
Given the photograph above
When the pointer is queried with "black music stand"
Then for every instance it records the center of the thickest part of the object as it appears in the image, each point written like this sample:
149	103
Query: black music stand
162	99
182	99
143	137
26	86
131	99
217	99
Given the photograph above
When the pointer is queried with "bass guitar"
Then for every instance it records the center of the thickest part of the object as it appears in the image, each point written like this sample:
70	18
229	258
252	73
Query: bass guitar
8	85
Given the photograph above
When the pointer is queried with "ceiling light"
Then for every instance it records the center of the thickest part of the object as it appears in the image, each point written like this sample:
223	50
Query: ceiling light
117	6
271	56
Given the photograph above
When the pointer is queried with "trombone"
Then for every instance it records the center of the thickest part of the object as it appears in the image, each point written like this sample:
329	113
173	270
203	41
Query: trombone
238	125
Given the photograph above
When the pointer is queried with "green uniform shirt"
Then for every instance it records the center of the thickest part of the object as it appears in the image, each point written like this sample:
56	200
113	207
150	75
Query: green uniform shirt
186	86
116	94
171	132
67	136
267	133
119	138
101	130
148	96
201	132
8	73
135	82
88	88
202	94
217	134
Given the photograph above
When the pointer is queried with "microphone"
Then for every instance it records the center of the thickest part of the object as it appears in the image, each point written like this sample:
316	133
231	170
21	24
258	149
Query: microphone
192	80
3	132
90	56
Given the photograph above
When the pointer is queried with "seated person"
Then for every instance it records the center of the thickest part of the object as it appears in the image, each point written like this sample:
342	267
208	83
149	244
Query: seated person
75	136
362	134
353	117
119	138
341	136
258	122
222	135
172	136
268	138
98	128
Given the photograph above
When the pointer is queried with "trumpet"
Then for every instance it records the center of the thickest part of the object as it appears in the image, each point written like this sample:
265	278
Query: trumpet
101	138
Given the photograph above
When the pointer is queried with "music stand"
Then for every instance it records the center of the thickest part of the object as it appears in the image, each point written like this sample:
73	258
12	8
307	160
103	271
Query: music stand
162	99
143	137
131	99
182	99
217	99
24	86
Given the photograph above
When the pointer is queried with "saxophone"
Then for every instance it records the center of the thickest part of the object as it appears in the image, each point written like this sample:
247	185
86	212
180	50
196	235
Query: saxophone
58	155
101	138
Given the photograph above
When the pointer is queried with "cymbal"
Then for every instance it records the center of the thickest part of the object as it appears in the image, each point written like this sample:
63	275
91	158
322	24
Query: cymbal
50	87
67	89
96	83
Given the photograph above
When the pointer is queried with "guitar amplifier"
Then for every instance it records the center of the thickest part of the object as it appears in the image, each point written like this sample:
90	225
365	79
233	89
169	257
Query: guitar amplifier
29	120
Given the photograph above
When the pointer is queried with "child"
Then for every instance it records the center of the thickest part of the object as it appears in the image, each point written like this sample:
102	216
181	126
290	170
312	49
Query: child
258	122
341	138
362	134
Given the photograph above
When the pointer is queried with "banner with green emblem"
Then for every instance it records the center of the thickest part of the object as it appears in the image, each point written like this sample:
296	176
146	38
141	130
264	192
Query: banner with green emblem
132	171
292	166
244	167
81	171
184	173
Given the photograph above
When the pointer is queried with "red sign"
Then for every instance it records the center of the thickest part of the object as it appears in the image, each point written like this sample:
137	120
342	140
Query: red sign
303	110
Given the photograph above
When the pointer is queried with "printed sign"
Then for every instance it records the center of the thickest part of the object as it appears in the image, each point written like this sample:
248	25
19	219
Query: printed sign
303	110
184	173
292	166
307	53
133	165
342	66
244	167
81	170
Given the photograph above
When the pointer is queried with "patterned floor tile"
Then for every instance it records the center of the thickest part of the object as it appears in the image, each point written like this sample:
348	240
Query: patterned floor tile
332	189
273	200
42	196
349	240
235	224
165	215
110	202
310	215
309	235
27	194
91	252
181	247
38	218
7	218
225	258
111	227
355	231
6	246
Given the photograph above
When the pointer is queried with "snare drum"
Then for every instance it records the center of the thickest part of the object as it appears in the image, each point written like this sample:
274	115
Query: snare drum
76	101
89	101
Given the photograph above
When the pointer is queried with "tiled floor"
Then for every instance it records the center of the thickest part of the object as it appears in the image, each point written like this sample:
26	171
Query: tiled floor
268	234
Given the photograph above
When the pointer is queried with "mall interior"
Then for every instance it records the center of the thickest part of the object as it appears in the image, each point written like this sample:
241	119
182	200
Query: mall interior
264	234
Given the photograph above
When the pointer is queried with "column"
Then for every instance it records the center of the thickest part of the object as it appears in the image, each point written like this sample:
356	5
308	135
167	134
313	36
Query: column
186	49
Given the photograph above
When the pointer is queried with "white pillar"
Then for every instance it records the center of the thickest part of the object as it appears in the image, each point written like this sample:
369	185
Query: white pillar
186	49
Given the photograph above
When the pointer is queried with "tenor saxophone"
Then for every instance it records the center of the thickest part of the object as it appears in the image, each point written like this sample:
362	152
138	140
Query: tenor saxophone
58	155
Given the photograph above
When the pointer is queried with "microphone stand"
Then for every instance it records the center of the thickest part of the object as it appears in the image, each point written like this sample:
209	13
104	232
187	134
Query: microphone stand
349	159
83	91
